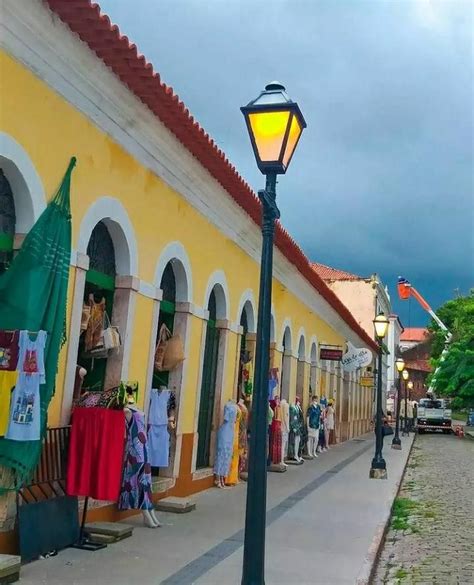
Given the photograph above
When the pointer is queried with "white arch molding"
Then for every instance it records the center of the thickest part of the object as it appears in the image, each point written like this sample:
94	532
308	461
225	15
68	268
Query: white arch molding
218	282
113	214
175	253
301	344
26	185
313	344
247	304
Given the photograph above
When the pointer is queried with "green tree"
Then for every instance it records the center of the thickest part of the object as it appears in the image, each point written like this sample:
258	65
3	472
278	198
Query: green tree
455	377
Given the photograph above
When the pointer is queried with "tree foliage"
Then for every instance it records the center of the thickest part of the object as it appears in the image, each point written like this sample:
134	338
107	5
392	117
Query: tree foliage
455	377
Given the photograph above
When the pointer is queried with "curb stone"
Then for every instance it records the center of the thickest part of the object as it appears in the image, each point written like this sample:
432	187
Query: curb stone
366	574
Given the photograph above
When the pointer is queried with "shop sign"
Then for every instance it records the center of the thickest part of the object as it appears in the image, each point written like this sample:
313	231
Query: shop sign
330	353
367	381
355	358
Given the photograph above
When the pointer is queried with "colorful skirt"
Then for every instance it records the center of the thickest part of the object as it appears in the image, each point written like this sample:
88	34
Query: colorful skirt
275	441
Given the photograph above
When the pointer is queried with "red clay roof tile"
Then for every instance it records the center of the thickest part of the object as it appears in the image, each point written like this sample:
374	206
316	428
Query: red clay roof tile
329	273
95	29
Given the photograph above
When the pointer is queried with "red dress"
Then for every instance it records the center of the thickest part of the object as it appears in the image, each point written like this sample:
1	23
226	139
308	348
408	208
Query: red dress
275	433
96	452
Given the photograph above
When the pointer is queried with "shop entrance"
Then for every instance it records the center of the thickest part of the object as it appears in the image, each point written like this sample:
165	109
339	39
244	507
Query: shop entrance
286	365
7	222
208	385
99	293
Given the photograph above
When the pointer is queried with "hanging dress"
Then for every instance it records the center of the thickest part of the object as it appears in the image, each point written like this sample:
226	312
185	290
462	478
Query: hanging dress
136	480
243	433
95	325
161	404
25	409
225	440
233	477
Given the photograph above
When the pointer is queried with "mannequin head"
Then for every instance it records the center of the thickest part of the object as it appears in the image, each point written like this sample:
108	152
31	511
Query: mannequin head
314	400
297	400
277	400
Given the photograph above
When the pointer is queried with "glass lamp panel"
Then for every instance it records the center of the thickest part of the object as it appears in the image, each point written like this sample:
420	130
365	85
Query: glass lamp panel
268	129
293	136
405	375
400	364
381	326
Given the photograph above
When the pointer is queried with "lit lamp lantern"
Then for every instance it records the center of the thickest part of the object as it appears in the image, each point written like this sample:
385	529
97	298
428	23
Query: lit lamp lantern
275	124
396	442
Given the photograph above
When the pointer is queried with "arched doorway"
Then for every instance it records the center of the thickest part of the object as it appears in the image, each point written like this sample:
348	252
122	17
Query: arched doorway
246	353
300	372
213	352
286	364
7	222
313	373
99	291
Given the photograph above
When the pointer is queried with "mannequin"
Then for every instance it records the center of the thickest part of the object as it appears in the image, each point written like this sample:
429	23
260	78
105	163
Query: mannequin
275	432
303	431
225	444
313	417
161	419
136	479
295	430
285	429
329	423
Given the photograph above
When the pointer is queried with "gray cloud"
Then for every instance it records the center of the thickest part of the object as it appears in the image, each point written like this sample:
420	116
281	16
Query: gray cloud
383	177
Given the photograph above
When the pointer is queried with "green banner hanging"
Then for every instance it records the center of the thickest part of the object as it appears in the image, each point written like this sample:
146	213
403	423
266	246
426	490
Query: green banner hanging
33	296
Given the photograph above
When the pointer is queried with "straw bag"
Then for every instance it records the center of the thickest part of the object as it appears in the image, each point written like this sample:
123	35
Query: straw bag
111	335
174	353
85	316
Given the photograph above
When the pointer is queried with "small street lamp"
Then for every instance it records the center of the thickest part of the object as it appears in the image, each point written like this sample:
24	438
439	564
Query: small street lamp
405	376
396	442
379	467
275	124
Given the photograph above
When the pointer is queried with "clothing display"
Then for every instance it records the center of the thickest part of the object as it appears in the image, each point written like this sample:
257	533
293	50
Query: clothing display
329	420
233	476
285	427
25	409
96	448
272	383
162	404
95	324
243	433
7	384
136	479
247	378
296	431
314	416
9	349
275	432
225	440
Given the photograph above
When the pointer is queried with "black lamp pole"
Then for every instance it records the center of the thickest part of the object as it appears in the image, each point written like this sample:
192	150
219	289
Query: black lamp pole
255	517
379	467
396	441
405	418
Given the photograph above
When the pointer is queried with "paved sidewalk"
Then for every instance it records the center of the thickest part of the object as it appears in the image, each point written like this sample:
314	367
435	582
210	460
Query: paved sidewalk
322	520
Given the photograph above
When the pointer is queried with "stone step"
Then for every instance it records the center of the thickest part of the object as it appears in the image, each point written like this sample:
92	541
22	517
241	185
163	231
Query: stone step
176	505
9	568
115	529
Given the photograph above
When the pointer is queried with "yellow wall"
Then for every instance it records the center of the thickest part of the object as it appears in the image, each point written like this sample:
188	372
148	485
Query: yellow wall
50	130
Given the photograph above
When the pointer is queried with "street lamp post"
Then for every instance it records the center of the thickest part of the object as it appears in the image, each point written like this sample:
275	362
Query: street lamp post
396	442
275	124
405	375
379	467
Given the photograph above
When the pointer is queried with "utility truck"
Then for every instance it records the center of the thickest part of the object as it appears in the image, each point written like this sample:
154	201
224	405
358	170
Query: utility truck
433	414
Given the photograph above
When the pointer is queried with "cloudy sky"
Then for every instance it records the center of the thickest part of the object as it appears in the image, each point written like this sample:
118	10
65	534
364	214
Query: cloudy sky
382	180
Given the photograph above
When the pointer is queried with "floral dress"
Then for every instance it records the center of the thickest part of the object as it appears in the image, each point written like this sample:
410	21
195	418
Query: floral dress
136	479
225	440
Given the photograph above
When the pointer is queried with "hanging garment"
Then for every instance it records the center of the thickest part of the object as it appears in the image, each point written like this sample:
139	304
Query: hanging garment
95	326
272	383
225	440
162	403
247	378
96	450
233	476
243	432
7	384
33	293
136	479
25	410
295	429
275	433
31	354
9	350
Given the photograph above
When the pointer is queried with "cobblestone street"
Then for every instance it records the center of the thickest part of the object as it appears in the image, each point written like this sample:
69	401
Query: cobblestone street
431	536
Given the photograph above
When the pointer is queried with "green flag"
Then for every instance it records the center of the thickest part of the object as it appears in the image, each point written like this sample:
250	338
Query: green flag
33	295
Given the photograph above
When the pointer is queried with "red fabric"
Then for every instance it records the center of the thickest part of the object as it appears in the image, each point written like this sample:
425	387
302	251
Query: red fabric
96	453
275	441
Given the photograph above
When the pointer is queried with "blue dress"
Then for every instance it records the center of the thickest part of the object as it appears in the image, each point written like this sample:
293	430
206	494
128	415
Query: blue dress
225	440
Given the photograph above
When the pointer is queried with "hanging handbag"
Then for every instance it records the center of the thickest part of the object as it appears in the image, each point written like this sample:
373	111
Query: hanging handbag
163	337
111	334
174	353
85	316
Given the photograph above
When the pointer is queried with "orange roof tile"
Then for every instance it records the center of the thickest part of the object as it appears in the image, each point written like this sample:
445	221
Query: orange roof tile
85	19
329	273
414	334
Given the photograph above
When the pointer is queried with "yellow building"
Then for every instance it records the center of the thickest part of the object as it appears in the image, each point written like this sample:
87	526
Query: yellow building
163	228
